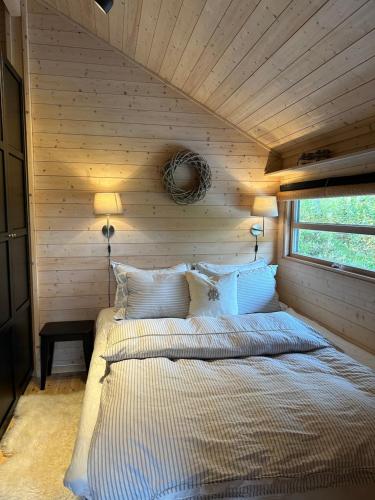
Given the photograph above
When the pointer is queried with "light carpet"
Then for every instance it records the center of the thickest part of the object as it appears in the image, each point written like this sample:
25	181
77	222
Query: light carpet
39	447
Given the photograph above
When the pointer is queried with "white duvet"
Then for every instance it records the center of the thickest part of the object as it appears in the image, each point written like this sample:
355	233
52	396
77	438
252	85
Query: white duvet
228	408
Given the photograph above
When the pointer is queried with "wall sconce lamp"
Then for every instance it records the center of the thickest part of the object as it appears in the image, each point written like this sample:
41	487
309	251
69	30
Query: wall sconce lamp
104	5
263	206
108	204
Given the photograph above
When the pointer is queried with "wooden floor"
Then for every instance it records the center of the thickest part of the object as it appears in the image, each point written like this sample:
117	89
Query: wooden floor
55	384
58	384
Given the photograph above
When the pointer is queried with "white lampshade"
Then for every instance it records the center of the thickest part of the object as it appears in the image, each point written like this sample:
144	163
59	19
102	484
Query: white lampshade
265	206
107	204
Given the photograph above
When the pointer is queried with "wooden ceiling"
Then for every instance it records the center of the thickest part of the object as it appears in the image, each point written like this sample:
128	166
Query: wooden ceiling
280	70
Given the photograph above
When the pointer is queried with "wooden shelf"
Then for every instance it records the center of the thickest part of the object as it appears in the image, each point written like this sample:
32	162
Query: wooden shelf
358	159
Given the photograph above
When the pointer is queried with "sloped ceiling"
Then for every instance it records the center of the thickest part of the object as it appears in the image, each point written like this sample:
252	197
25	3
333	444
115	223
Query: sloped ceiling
280	70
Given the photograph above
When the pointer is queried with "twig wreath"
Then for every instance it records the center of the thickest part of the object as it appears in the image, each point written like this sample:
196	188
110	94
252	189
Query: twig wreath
183	196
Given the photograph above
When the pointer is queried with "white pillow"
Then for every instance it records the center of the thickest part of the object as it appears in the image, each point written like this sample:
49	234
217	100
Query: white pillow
157	295
207	268
212	295
257	291
120	271
246	302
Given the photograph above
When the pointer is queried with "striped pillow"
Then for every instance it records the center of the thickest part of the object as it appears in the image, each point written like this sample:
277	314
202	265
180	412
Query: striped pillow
121	271
208	268
157	295
256	291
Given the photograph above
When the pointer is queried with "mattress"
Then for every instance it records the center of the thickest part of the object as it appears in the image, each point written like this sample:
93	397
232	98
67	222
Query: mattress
76	475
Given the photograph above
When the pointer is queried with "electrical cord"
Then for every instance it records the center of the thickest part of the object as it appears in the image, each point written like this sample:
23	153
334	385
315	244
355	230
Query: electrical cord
256	248
109	264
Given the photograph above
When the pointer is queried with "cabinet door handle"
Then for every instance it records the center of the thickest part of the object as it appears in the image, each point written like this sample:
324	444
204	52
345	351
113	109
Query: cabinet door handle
10	235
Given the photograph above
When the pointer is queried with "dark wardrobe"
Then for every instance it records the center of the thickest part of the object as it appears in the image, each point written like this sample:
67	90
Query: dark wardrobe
16	358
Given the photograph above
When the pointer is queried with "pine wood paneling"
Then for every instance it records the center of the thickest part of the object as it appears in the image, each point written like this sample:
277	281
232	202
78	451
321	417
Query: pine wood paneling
230	93
320	100
343	303
169	12
105	124
348	140
147	24
261	19
275	69
233	20
188	17
211	15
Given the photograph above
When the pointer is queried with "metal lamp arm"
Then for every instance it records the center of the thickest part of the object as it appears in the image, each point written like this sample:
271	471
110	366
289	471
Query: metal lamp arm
256	230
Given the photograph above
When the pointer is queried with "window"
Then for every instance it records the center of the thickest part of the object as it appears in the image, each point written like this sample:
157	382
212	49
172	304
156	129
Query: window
338	232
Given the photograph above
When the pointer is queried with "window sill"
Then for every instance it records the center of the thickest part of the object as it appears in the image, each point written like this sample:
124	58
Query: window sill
318	265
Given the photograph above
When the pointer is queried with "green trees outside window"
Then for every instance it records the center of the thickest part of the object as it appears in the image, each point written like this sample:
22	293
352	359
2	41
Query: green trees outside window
343	245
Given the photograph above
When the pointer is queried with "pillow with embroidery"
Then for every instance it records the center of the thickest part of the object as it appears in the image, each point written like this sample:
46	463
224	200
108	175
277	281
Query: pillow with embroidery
212	295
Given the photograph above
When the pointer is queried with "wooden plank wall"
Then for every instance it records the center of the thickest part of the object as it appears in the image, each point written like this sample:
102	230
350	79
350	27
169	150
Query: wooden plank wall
280	70
345	140
100	123
343	303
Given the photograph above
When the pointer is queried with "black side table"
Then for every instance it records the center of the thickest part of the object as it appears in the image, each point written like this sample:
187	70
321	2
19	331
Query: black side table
64	331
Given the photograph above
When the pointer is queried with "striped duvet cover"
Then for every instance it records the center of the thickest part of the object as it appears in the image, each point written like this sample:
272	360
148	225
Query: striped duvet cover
229	408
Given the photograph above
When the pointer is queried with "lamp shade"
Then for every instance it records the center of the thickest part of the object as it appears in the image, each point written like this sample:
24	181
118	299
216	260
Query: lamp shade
107	204
265	206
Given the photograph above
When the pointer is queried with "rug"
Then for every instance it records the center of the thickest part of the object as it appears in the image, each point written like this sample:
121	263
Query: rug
38	447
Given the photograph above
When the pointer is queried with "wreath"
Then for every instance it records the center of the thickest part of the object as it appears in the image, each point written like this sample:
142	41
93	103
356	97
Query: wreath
183	196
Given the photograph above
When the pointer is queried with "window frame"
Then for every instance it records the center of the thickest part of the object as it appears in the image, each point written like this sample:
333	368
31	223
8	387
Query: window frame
294	224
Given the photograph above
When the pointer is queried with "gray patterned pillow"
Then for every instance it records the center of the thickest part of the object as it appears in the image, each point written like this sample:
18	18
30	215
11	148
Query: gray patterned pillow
209	269
157	295
257	291
121	271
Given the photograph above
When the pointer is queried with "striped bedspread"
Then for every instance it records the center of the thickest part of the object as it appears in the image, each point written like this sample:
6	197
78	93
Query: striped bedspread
229	408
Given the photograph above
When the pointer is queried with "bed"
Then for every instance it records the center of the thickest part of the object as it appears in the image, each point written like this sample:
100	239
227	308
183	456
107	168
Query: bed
84	476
